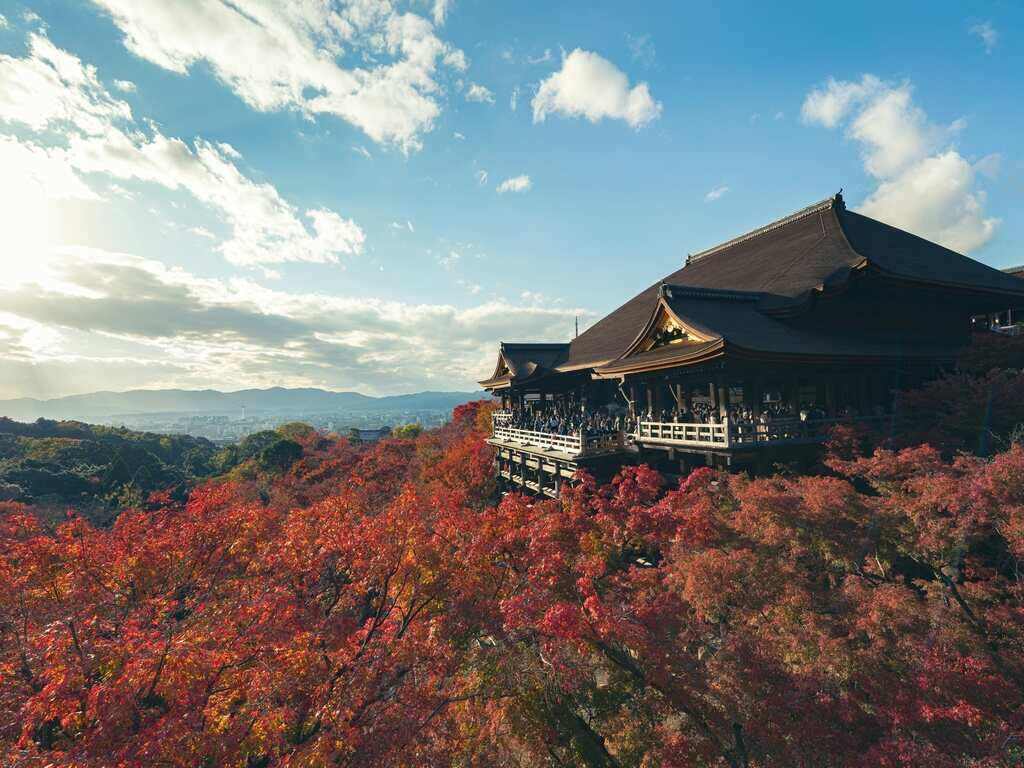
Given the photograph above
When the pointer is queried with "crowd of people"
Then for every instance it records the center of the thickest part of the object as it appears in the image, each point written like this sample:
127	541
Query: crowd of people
561	419
572	419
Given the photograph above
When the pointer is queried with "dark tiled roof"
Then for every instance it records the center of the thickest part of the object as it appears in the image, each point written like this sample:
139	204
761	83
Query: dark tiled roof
787	258
911	257
742	327
526	360
783	262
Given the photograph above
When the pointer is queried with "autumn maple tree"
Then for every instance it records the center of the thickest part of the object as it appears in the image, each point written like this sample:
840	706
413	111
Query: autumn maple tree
380	605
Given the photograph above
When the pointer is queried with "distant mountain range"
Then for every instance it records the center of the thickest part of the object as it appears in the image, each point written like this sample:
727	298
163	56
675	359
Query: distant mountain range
104	406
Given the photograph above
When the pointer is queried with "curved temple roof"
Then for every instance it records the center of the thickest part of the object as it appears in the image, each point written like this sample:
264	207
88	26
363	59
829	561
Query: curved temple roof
779	268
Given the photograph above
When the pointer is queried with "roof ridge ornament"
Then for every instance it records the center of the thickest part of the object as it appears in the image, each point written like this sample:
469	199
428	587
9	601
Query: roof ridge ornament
671	291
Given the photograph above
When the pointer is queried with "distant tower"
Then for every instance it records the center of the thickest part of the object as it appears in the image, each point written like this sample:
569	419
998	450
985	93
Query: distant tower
577	325
243	411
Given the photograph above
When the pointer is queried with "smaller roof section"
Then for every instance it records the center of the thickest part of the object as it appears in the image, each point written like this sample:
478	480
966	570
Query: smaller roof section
1017	271
519	362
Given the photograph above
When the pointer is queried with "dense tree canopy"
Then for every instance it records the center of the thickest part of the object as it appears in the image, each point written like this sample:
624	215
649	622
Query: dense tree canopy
377	605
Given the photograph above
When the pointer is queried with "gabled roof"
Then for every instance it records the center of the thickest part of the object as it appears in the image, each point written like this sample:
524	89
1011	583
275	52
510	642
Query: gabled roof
787	261
519	362
734	321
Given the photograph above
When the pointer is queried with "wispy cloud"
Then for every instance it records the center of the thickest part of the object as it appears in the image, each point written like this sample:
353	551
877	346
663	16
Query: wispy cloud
145	324
515	184
716	193
641	48
284	57
988	35
481	177
50	91
479	93
362	151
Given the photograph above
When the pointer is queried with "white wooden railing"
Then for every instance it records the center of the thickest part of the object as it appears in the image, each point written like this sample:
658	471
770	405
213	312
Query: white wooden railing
723	435
564	443
732	434
570	444
712	435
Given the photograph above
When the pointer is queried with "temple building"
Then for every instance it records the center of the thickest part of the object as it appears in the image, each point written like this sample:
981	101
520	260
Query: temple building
750	351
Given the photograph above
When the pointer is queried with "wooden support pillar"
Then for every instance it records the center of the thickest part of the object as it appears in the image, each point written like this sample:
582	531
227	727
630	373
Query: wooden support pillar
650	398
688	397
723	398
792	394
632	400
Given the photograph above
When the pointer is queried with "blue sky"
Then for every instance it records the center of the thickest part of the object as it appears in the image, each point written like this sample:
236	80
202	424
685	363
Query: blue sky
370	195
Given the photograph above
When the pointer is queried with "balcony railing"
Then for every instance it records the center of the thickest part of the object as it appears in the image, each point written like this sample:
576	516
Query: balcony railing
724	435
699	435
573	445
745	434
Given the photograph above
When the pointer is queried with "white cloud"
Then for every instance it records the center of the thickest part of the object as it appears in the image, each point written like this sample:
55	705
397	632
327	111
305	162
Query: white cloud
923	184
481	177
716	193
51	91
937	199
458	136
150	325
362	151
3	22
51	88
441	9
544	58
125	86
479	93
279	56
404	227
202	232
988	35
515	184
831	104
591	87
513	101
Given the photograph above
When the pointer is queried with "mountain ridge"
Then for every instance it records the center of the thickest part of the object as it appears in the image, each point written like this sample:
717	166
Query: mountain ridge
106	404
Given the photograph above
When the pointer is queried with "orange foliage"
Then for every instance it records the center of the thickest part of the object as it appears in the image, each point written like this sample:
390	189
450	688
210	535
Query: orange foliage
380	606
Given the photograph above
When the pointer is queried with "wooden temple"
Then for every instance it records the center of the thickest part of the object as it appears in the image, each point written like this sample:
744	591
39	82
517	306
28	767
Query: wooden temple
750	351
